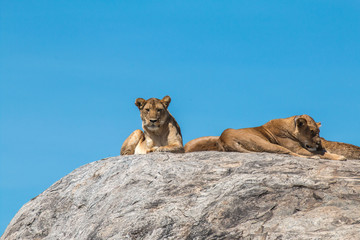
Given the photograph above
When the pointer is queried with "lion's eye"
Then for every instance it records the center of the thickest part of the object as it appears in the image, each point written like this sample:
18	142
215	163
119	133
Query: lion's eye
147	109
159	110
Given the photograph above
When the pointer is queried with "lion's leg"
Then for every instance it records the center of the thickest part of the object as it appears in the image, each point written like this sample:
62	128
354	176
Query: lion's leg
174	148
263	145
325	155
330	156
129	145
230	141
333	156
252	143
302	151
232	145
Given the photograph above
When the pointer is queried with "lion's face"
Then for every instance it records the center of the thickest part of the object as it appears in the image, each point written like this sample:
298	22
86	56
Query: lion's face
153	112
307	132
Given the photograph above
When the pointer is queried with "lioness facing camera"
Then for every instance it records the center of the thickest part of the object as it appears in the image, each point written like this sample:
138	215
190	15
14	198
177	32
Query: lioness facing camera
297	136
161	131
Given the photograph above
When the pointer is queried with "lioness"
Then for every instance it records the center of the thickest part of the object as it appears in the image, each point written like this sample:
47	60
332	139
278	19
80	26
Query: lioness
345	149
297	136
161	131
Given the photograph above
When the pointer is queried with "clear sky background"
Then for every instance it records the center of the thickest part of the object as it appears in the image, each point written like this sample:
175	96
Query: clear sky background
70	72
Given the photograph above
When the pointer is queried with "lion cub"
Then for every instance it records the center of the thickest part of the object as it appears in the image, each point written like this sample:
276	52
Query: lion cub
297	136
161	131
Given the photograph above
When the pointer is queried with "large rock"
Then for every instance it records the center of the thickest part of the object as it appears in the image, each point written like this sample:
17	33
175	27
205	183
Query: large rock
207	195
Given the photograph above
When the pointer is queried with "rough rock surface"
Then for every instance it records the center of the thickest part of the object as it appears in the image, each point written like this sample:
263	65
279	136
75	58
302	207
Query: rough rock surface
206	195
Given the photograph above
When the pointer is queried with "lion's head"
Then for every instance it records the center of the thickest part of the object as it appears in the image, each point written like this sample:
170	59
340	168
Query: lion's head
307	133
153	112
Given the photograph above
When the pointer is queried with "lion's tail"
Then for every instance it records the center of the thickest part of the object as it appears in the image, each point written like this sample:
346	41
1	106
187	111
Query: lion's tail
210	143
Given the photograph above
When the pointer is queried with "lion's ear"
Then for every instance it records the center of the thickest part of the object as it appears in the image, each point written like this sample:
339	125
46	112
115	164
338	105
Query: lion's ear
300	122
166	101
318	124
140	103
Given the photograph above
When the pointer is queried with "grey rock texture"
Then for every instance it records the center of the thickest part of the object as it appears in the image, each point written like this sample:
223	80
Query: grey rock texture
205	195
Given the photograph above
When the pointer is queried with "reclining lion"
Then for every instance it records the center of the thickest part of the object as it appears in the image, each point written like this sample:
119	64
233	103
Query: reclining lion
345	149
297	136
161	131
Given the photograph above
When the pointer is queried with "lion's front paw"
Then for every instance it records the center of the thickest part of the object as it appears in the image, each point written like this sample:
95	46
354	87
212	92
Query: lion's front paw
153	149
335	157
315	157
340	158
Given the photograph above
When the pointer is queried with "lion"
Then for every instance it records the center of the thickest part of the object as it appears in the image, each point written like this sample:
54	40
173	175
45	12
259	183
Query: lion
345	149
296	135
161	131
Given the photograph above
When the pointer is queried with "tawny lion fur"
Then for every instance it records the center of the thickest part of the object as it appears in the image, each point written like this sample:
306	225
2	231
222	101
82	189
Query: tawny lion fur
345	149
161	131
297	136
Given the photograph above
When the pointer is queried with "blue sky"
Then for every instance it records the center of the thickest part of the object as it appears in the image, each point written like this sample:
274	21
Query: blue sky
70	72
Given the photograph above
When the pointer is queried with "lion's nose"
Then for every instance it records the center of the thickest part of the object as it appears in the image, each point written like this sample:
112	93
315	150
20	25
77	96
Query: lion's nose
153	121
